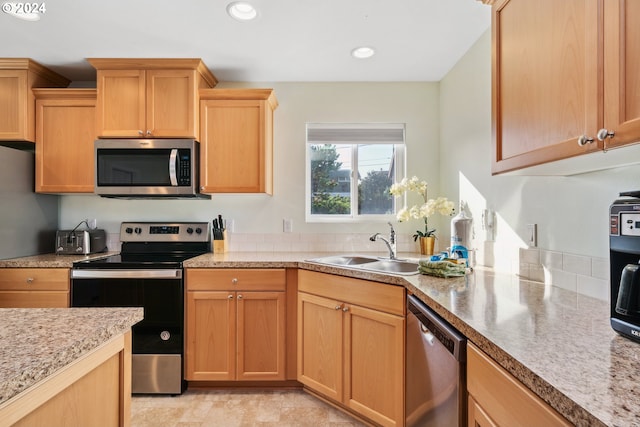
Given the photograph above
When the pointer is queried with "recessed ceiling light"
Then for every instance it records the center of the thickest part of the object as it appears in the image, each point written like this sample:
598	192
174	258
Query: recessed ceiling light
242	11
363	52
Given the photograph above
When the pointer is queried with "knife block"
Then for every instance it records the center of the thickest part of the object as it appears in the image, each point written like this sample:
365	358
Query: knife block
221	246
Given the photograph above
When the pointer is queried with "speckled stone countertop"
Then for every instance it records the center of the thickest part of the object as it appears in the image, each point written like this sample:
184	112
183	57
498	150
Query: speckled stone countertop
558	343
49	260
36	342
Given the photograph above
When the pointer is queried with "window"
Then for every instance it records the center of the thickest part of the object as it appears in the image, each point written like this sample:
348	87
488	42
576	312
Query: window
350	168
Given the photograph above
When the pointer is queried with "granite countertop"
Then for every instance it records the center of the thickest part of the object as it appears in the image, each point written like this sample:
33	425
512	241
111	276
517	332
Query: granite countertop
50	260
36	342
558	343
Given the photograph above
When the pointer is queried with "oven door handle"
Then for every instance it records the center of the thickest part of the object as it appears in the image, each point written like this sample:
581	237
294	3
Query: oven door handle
127	274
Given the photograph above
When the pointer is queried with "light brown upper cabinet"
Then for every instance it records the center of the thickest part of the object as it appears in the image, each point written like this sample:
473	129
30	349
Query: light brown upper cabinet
65	131
236	137
17	103
563	79
149	98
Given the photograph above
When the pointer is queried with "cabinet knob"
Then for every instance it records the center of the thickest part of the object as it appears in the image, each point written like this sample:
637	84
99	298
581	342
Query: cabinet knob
584	140
230	296
338	307
345	308
234	280
604	134
240	296
148	132
29	280
140	133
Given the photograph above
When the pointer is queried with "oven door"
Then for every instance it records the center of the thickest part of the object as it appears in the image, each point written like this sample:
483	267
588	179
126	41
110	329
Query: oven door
159	292
158	340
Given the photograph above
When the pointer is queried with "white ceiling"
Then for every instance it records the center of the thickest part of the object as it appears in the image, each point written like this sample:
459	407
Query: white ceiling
292	40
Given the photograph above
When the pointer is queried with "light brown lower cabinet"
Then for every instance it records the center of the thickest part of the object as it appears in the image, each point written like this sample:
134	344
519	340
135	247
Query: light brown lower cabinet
497	399
235	324
94	390
34	287
351	344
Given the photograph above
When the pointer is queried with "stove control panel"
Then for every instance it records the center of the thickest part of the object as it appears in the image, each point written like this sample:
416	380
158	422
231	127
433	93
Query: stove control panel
165	232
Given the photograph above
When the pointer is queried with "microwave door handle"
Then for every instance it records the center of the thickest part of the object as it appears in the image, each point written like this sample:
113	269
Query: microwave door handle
173	157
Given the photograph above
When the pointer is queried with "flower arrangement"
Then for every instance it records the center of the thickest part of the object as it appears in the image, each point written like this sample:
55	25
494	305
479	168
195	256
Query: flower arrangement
440	205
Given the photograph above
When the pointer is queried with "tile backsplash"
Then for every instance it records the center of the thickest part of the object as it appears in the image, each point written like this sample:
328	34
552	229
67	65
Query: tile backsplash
583	274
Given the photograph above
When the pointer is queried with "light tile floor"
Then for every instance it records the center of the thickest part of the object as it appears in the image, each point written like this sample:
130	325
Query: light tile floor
229	408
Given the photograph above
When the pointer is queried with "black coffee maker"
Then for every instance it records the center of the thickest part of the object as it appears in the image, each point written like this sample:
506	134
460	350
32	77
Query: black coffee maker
624	253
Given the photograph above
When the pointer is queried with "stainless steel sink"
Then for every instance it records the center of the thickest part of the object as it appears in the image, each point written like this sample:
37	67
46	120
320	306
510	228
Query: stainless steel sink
393	266
345	260
380	265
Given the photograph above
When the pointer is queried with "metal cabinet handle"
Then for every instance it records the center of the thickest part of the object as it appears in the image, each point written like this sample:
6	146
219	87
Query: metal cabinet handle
230	297
345	309
148	132
140	133
604	134
30	280
584	140
338	307
234	280
239	296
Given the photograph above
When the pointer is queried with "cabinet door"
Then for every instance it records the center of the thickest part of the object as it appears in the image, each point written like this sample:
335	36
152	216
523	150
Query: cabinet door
320	345
14	120
477	416
234	158
547	82
121	103
171	106
211	342
621	69
65	132
261	335
374	365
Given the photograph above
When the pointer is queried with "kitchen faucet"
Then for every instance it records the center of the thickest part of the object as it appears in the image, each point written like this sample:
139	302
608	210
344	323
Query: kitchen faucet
391	243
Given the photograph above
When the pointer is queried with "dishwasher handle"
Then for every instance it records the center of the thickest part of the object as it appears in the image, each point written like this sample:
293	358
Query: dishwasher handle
451	339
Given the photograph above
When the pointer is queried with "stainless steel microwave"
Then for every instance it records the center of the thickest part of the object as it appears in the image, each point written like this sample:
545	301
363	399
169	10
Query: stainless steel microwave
147	168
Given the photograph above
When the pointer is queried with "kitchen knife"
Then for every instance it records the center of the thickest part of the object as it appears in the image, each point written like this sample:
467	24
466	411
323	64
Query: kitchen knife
220	223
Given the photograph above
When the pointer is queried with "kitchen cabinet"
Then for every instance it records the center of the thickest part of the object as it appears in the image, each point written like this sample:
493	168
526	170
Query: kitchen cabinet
235	324
65	132
17	103
34	287
562	78
496	398
351	344
149	98
236	137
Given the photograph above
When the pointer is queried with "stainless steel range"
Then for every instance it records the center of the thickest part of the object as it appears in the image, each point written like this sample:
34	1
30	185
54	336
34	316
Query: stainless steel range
147	273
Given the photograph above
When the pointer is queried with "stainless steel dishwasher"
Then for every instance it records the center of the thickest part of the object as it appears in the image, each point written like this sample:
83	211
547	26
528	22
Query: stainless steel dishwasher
435	369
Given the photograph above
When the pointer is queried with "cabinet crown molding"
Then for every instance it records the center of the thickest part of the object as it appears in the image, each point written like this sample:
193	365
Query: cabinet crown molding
35	67
155	64
240	94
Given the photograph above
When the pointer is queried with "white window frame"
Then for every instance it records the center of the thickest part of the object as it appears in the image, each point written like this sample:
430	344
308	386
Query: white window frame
348	134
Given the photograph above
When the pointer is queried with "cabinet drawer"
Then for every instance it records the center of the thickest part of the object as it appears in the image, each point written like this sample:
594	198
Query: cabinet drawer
504	399
34	279
375	295
34	299
241	279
